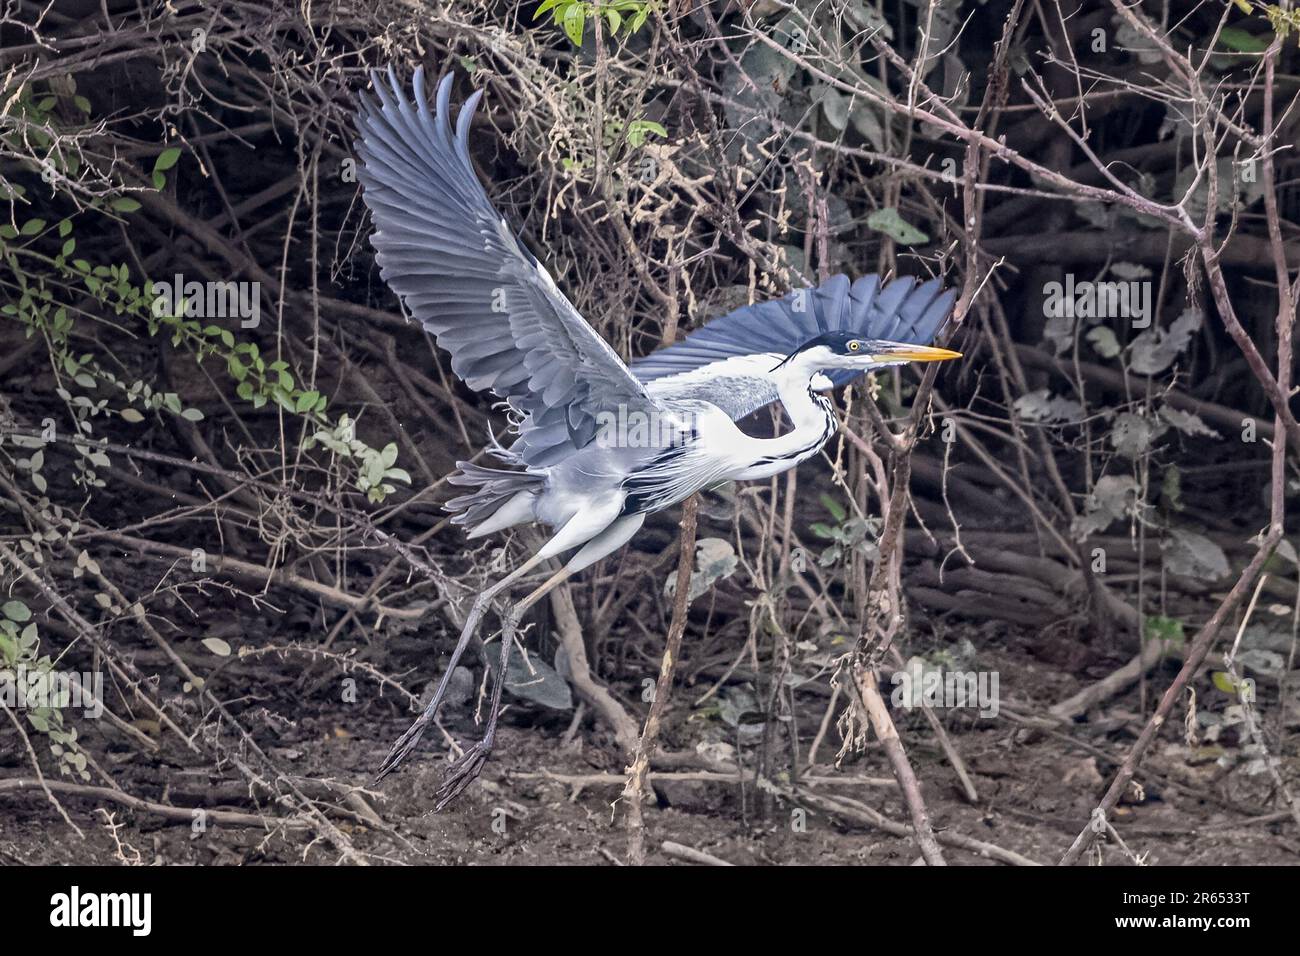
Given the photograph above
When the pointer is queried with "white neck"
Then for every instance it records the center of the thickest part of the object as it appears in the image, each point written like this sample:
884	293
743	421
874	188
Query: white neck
811	415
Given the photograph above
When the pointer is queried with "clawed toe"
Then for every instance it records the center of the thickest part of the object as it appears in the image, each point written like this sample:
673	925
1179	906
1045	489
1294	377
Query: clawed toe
401	748
463	772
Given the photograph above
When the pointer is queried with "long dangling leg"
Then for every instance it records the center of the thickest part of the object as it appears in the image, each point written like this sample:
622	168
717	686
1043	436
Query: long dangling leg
470	764
576	531
464	770
406	743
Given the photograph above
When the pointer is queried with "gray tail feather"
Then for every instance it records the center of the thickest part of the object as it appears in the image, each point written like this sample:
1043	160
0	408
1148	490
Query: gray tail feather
493	486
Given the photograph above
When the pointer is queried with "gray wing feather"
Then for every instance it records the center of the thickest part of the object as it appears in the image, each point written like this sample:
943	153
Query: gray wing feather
465	276
736	394
901	311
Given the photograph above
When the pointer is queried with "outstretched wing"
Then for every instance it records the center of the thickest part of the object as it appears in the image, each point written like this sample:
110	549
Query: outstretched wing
726	361
467	278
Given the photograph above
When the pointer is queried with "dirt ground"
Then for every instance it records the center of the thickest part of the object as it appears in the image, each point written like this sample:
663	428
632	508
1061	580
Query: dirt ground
1035	791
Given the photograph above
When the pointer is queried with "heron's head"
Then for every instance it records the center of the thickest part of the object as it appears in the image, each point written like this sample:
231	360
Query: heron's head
834	350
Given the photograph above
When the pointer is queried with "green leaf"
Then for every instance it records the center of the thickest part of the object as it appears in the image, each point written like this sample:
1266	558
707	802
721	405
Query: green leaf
192	415
167	159
637	130
16	611
889	222
834	507
575	17
1224	682
1237	39
1164	629
546	5
131	415
305	401
125	204
32	226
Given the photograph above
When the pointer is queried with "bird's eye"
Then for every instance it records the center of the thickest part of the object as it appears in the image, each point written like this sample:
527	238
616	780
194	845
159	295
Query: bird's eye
854	345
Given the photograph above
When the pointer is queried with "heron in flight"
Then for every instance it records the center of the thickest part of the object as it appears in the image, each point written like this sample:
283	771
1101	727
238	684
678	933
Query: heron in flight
580	462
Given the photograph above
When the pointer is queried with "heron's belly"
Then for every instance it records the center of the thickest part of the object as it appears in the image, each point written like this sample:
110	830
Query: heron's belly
589	479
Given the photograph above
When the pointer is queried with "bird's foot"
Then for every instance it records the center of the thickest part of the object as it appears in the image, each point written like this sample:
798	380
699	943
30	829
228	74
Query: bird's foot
463	771
402	748
469	765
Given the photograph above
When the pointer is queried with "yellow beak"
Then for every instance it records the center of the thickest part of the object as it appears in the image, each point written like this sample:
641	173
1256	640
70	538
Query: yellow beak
920	353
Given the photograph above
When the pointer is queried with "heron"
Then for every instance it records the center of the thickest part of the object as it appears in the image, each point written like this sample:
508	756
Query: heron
574	405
